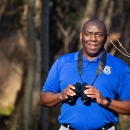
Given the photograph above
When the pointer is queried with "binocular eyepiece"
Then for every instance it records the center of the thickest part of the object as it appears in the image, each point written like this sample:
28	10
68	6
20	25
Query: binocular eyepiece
79	90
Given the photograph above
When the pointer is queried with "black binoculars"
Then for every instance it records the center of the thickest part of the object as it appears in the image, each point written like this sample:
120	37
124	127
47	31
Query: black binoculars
79	90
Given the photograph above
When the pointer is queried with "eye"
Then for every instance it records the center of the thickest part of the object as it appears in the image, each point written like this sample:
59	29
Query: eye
99	34
88	33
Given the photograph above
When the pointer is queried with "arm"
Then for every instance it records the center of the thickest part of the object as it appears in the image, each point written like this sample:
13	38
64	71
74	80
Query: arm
50	99
121	107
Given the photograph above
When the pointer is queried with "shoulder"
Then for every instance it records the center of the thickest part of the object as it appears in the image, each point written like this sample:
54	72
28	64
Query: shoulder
117	66
65	59
115	61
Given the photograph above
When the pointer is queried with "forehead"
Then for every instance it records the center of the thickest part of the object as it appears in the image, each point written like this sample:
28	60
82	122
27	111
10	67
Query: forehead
94	26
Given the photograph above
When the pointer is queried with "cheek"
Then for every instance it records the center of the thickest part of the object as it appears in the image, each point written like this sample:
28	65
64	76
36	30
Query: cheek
85	38
101	40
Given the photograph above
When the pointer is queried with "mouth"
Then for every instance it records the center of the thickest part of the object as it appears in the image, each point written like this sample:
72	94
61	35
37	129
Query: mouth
92	46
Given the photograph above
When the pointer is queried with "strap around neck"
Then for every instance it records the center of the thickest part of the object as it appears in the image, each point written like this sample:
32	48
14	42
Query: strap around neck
100	67
102	63
80	62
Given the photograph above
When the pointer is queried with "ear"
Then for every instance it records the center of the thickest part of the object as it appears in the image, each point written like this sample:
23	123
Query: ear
81	36
106	38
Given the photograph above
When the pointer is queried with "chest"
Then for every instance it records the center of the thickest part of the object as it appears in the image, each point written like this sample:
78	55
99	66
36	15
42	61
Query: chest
106	82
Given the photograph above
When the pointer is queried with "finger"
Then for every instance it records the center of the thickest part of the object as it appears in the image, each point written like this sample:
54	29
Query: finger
71	87
66	97
69	92
91	96
89	91
88	87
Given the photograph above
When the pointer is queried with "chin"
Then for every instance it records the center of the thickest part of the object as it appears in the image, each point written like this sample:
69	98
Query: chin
94	53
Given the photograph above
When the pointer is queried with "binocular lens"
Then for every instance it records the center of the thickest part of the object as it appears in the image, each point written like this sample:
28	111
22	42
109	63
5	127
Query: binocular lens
79	90
70	99
84	98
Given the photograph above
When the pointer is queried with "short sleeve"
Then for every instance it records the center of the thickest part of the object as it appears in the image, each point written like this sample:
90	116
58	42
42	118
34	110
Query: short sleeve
52	81
124	87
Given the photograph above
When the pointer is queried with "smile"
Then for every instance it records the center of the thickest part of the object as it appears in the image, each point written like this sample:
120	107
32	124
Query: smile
92	46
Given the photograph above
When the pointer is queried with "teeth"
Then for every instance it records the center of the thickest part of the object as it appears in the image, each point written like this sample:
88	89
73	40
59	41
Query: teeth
93	45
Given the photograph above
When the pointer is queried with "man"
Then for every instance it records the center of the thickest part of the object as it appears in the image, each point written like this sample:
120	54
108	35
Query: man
106	78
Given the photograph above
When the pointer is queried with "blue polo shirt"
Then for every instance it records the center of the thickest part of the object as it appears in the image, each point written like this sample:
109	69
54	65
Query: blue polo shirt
113	82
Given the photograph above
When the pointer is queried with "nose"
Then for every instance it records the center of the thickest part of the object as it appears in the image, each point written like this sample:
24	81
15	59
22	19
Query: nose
93	37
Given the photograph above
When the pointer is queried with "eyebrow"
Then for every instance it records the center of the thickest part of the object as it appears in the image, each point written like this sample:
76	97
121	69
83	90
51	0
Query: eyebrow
94	32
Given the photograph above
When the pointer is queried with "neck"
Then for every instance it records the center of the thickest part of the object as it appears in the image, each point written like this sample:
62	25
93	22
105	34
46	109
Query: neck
91	57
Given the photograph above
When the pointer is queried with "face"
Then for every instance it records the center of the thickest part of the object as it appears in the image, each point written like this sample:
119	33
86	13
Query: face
93	38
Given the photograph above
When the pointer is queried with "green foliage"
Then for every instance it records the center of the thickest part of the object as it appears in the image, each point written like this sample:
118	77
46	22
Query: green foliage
16	2
7	111
51	3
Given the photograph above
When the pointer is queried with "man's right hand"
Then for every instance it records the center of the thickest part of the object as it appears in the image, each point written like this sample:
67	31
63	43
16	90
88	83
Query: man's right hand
68	91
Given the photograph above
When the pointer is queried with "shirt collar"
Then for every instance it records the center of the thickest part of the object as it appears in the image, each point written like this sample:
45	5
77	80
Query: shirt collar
95	60
85	59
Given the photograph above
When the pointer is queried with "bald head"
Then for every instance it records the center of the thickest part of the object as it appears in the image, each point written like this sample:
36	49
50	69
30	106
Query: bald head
97	21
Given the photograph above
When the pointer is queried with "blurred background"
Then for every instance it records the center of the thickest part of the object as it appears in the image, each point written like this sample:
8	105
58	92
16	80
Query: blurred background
33	34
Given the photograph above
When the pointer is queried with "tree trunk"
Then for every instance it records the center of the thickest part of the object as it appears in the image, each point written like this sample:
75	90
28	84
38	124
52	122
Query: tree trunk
27	112
44	57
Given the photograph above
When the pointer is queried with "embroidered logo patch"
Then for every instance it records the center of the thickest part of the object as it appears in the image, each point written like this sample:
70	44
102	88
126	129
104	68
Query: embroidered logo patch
107	70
